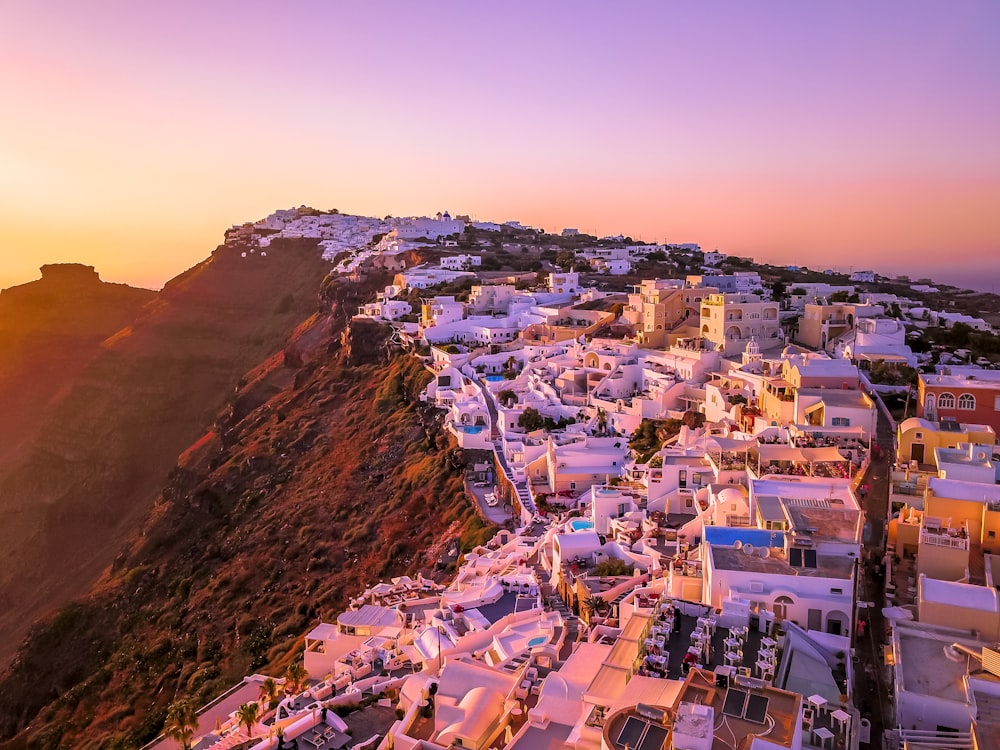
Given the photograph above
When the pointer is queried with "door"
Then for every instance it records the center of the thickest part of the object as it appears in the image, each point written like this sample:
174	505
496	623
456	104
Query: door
917	452
815	619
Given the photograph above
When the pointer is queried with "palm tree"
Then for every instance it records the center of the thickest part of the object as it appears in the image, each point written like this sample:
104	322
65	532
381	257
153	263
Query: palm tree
269	692
295	678
595	605
247	715
182	721
602	421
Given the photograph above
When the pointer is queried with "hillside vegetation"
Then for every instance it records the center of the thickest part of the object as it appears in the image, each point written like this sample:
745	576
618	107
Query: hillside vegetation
322	474
94	447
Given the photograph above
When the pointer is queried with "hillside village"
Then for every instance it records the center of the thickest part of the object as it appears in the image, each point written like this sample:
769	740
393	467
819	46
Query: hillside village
737	508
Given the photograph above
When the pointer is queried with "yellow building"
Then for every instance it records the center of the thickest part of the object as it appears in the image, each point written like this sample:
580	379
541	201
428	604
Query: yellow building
917	438
730	321
821	325
658	306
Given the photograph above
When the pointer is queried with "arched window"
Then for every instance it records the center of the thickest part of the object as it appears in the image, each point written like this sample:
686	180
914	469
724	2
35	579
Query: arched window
967	401
780	607
946	401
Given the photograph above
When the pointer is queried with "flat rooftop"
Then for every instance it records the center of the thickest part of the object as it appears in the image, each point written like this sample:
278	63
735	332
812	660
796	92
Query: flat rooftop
837	397
742	705
827	566
826	523
926	670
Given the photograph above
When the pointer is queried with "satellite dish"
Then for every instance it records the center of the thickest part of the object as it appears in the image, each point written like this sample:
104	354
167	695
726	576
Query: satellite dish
747	549
764	552
737	544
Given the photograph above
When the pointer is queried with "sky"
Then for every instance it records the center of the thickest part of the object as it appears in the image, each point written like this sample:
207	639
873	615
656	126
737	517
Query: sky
845	135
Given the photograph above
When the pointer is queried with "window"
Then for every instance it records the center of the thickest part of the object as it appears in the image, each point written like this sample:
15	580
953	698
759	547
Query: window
840	422
967	401
837	592
996	403
572	485
946	401
992	534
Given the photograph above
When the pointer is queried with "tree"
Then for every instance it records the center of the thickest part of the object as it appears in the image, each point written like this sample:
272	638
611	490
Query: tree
530	420
295	678
247	715
507	397
612	567
269	692
182	721
565	259
595	605
778	291
602	421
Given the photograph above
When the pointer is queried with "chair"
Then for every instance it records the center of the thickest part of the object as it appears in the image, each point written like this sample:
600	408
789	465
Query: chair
807	718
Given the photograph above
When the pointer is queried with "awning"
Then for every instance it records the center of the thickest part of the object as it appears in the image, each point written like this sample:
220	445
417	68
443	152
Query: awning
875	357
732	444
822	455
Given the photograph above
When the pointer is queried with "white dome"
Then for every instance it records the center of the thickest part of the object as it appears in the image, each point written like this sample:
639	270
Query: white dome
731	495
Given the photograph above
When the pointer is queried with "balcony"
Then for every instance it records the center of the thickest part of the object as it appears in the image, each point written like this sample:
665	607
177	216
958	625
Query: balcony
949	539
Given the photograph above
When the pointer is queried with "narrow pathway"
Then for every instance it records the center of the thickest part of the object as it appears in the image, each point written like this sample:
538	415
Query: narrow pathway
523	491
870	690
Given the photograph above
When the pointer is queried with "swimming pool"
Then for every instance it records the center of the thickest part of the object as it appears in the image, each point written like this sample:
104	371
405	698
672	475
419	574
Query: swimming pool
471	429
494	378
538	640
579	524
727	536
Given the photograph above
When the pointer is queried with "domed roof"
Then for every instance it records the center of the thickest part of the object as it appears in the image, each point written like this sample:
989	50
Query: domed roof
752	346
731	495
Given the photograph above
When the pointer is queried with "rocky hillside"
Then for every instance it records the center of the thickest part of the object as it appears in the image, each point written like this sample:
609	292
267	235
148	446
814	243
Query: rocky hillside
107	412
322	473
50	330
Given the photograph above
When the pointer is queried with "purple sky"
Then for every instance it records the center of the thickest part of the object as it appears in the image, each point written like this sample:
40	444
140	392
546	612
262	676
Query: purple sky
831	135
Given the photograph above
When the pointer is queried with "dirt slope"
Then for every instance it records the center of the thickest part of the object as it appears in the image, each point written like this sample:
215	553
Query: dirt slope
89	467
323	473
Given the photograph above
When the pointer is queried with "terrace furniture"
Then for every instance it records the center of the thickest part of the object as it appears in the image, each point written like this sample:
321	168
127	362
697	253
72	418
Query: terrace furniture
819	703
823	735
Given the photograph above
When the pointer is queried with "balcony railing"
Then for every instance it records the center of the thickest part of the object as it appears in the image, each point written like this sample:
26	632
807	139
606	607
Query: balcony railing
944	540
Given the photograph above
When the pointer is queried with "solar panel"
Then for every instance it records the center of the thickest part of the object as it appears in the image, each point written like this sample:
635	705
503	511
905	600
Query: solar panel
654	739
631	732
756	709
735	702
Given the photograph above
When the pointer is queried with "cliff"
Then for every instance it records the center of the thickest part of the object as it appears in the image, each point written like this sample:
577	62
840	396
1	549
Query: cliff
106	395
50	331
322	474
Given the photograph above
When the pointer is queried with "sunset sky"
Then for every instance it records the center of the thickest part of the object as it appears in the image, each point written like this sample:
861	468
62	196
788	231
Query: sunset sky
851	134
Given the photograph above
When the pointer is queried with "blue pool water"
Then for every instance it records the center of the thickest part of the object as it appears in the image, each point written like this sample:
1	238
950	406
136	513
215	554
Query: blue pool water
471	429
538	640
579	524
494	378
726	536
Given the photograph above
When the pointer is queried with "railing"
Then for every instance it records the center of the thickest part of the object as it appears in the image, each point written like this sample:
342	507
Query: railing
944	540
